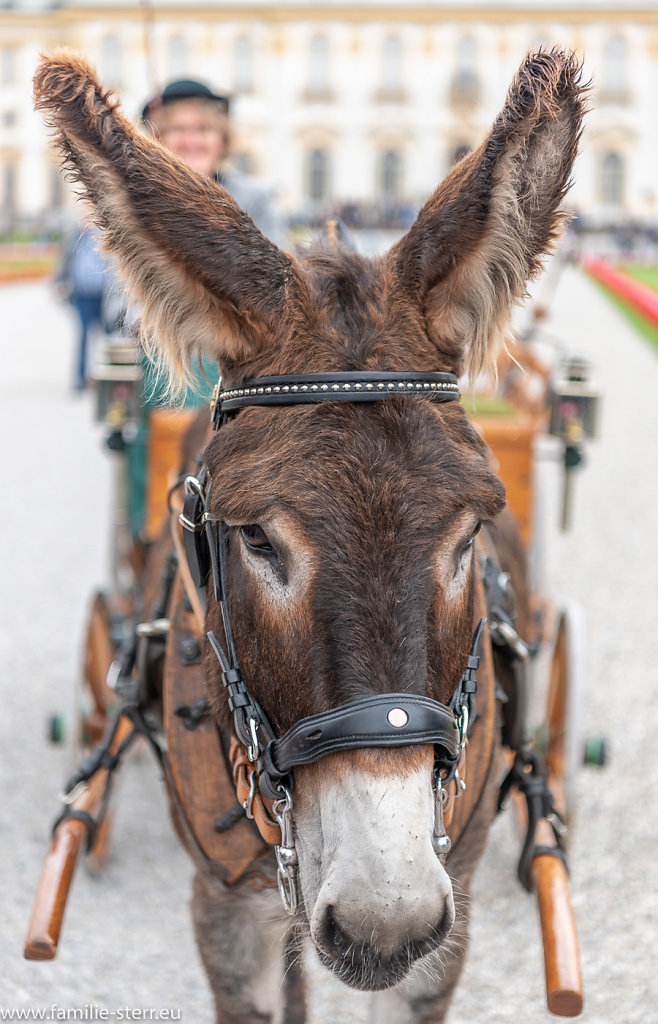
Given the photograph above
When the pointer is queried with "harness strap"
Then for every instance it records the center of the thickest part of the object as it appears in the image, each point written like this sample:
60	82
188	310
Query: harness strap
528	775
249	793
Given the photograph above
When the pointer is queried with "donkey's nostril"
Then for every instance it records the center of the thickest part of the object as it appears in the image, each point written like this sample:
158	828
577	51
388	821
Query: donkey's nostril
335	938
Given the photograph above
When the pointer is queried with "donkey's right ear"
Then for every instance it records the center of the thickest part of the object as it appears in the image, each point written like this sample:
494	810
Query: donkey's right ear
205	277
481	237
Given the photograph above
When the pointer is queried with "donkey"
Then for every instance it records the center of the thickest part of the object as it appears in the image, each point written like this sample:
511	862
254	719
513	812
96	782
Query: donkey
347	529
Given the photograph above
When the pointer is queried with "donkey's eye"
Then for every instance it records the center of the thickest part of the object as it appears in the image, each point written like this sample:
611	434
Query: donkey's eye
466	548
256	539
471	539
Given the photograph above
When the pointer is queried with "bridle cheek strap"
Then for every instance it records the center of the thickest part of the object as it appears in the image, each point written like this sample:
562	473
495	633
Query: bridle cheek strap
383	720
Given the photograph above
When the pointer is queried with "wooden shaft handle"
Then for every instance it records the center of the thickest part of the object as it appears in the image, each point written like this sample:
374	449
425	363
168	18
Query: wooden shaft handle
564	983
52	893
59	866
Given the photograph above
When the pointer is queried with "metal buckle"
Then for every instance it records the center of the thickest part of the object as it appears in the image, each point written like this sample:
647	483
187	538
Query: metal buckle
193	486
216	404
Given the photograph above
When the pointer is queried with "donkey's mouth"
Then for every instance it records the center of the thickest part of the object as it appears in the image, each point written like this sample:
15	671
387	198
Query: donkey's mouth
363	967
366	967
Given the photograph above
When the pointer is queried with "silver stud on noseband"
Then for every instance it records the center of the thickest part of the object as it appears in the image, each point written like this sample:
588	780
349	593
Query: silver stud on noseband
397	717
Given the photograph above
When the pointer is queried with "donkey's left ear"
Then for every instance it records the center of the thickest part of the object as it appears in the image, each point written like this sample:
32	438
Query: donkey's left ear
480	238
204	275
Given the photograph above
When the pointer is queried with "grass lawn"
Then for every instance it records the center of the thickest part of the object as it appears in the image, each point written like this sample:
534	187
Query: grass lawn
647	275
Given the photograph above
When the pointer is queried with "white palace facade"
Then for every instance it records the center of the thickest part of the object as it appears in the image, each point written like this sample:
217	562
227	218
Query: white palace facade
346	103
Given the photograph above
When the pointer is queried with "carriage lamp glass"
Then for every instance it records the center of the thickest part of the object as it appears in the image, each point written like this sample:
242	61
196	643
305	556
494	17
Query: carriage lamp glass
118	382
397	717
574	402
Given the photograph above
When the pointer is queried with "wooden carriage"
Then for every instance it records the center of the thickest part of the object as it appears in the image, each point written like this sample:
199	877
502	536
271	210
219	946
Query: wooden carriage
150	445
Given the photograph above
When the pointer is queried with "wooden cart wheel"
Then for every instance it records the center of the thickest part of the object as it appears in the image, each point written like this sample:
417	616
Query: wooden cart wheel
564	705
95	704
99	653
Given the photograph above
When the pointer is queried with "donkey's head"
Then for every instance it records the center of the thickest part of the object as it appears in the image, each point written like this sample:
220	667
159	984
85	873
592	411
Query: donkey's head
350	568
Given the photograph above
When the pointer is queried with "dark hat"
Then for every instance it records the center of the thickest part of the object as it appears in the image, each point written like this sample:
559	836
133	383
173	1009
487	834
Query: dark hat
184	89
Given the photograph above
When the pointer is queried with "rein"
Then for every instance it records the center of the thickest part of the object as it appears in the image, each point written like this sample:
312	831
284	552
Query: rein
381	720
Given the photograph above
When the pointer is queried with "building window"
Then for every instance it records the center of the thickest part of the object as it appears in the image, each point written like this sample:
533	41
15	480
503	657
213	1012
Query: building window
56	189
319	66
615	67
392	66
111	60
465	87
612	179
318	175
177	57
458	153
8	65
390	174
9	189
243	64
466	54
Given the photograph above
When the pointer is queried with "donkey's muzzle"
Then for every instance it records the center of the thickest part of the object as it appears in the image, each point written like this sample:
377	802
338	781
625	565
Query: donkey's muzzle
366	966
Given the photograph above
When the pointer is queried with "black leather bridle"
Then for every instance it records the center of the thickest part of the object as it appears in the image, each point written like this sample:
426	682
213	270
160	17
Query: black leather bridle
382	720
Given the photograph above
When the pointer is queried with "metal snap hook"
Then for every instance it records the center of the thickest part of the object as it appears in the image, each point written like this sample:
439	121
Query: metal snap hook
249	802
254	747
441	842
286	855
463	723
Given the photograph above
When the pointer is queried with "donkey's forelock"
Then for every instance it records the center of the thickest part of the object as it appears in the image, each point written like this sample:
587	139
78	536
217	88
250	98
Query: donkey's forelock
208	280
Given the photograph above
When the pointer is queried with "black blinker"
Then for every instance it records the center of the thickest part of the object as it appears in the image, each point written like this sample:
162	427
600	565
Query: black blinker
195	538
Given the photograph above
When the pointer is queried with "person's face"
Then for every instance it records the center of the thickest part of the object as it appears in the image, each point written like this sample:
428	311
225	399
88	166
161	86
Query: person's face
196	132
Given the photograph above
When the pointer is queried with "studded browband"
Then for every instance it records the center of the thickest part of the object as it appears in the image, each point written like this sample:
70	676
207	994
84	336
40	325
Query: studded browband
361	386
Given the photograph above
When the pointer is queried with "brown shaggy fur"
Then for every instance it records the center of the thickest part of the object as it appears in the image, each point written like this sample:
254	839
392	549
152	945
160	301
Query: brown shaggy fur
374	506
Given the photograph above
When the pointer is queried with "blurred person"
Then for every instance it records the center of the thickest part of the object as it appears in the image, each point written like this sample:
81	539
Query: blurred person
85	278
193	122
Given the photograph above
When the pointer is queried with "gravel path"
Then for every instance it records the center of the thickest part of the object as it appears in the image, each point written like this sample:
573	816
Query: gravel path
126	939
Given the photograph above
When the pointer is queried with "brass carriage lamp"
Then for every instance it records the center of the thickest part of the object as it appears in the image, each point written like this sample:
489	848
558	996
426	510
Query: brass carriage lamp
574	402
117	378
574	405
